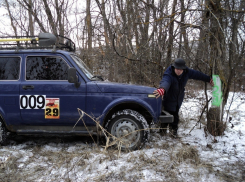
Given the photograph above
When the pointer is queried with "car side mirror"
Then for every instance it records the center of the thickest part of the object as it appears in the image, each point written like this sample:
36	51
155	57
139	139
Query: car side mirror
72	77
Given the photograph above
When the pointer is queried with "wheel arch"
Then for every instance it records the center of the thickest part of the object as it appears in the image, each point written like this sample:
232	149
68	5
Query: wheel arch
143	109
4	121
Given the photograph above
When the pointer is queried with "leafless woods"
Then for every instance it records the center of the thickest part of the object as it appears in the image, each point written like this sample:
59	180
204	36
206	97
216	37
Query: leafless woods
133	41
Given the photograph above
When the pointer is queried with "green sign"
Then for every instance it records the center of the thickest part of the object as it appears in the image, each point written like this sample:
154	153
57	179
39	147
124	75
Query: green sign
217	93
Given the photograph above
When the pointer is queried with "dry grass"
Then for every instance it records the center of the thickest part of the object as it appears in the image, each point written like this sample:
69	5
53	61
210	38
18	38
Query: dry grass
58	162
52	159
188	153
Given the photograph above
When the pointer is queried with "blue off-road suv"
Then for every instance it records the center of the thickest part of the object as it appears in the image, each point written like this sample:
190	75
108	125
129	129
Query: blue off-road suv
45	88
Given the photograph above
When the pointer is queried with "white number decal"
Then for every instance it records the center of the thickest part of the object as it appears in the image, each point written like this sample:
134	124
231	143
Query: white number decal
32	101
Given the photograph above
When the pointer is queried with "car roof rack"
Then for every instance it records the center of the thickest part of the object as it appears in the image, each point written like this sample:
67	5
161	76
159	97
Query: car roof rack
42	41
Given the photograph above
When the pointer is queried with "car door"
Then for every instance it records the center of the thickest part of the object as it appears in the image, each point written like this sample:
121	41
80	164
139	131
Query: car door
9	88
46	96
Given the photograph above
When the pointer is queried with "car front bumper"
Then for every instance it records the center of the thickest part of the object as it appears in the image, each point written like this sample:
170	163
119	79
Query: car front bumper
165	117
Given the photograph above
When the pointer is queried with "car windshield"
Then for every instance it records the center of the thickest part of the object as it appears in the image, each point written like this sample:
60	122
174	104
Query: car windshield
82	66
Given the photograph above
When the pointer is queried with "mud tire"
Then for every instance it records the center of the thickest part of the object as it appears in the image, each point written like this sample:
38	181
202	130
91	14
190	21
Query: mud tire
131	127
3	134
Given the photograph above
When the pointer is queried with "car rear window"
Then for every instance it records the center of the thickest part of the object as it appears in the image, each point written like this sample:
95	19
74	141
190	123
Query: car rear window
9	68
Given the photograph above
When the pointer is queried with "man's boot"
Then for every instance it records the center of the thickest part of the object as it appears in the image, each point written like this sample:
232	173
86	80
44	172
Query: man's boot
173	132
163	130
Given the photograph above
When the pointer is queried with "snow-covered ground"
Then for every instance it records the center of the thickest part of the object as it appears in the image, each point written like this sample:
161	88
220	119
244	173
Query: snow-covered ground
194	156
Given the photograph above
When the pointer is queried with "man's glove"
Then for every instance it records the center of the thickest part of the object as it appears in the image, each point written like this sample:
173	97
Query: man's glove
159	92
211	82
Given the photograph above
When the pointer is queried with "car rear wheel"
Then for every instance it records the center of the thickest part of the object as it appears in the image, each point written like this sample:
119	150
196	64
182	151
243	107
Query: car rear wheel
3	134
130	128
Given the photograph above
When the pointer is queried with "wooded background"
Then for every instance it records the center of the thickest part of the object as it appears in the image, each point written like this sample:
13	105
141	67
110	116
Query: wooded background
134	41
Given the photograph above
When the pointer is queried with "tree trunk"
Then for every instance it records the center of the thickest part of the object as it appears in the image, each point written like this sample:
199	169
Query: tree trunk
31	24
50	17
29	8
183	35
59	6
215	124
171	36
89	33
202	49
11	18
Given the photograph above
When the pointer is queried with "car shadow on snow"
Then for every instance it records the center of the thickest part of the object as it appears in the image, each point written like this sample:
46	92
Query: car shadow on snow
33	140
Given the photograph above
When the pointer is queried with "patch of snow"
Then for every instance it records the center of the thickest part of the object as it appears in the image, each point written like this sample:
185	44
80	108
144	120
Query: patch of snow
219	159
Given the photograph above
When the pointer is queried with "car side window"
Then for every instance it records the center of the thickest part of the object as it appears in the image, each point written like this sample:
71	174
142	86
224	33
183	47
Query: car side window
46	68
9	68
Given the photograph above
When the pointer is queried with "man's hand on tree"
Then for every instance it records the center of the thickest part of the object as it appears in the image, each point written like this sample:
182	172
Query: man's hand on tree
211	82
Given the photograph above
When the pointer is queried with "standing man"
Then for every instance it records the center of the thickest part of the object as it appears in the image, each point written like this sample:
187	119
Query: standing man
172	90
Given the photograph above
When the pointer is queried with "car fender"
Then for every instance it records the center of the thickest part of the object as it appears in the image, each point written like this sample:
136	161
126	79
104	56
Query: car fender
127	100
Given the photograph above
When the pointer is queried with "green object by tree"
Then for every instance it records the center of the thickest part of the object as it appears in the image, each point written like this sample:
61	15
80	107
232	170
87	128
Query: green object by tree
217	93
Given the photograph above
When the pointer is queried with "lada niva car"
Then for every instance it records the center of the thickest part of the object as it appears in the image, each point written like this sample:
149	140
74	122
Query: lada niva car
42	87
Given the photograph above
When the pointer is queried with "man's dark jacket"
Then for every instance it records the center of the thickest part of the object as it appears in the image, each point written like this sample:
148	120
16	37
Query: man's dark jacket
174	86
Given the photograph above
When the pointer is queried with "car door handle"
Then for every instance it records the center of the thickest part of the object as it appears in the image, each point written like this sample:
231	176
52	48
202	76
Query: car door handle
25	87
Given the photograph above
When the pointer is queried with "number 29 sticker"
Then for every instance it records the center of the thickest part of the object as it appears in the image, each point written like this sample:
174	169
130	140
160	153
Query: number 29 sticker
52	110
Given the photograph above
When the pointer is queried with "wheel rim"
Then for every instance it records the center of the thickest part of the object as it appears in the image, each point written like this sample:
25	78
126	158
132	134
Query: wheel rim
126	129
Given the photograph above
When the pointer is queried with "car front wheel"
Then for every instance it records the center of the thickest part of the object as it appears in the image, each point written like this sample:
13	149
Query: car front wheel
130	128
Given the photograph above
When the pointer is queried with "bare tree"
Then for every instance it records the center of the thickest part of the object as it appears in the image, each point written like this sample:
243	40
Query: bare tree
134	41
224	53
31	23
11	17
171	35
38	12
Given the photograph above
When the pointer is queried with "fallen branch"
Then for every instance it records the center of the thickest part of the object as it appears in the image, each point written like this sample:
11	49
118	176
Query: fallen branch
206	105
